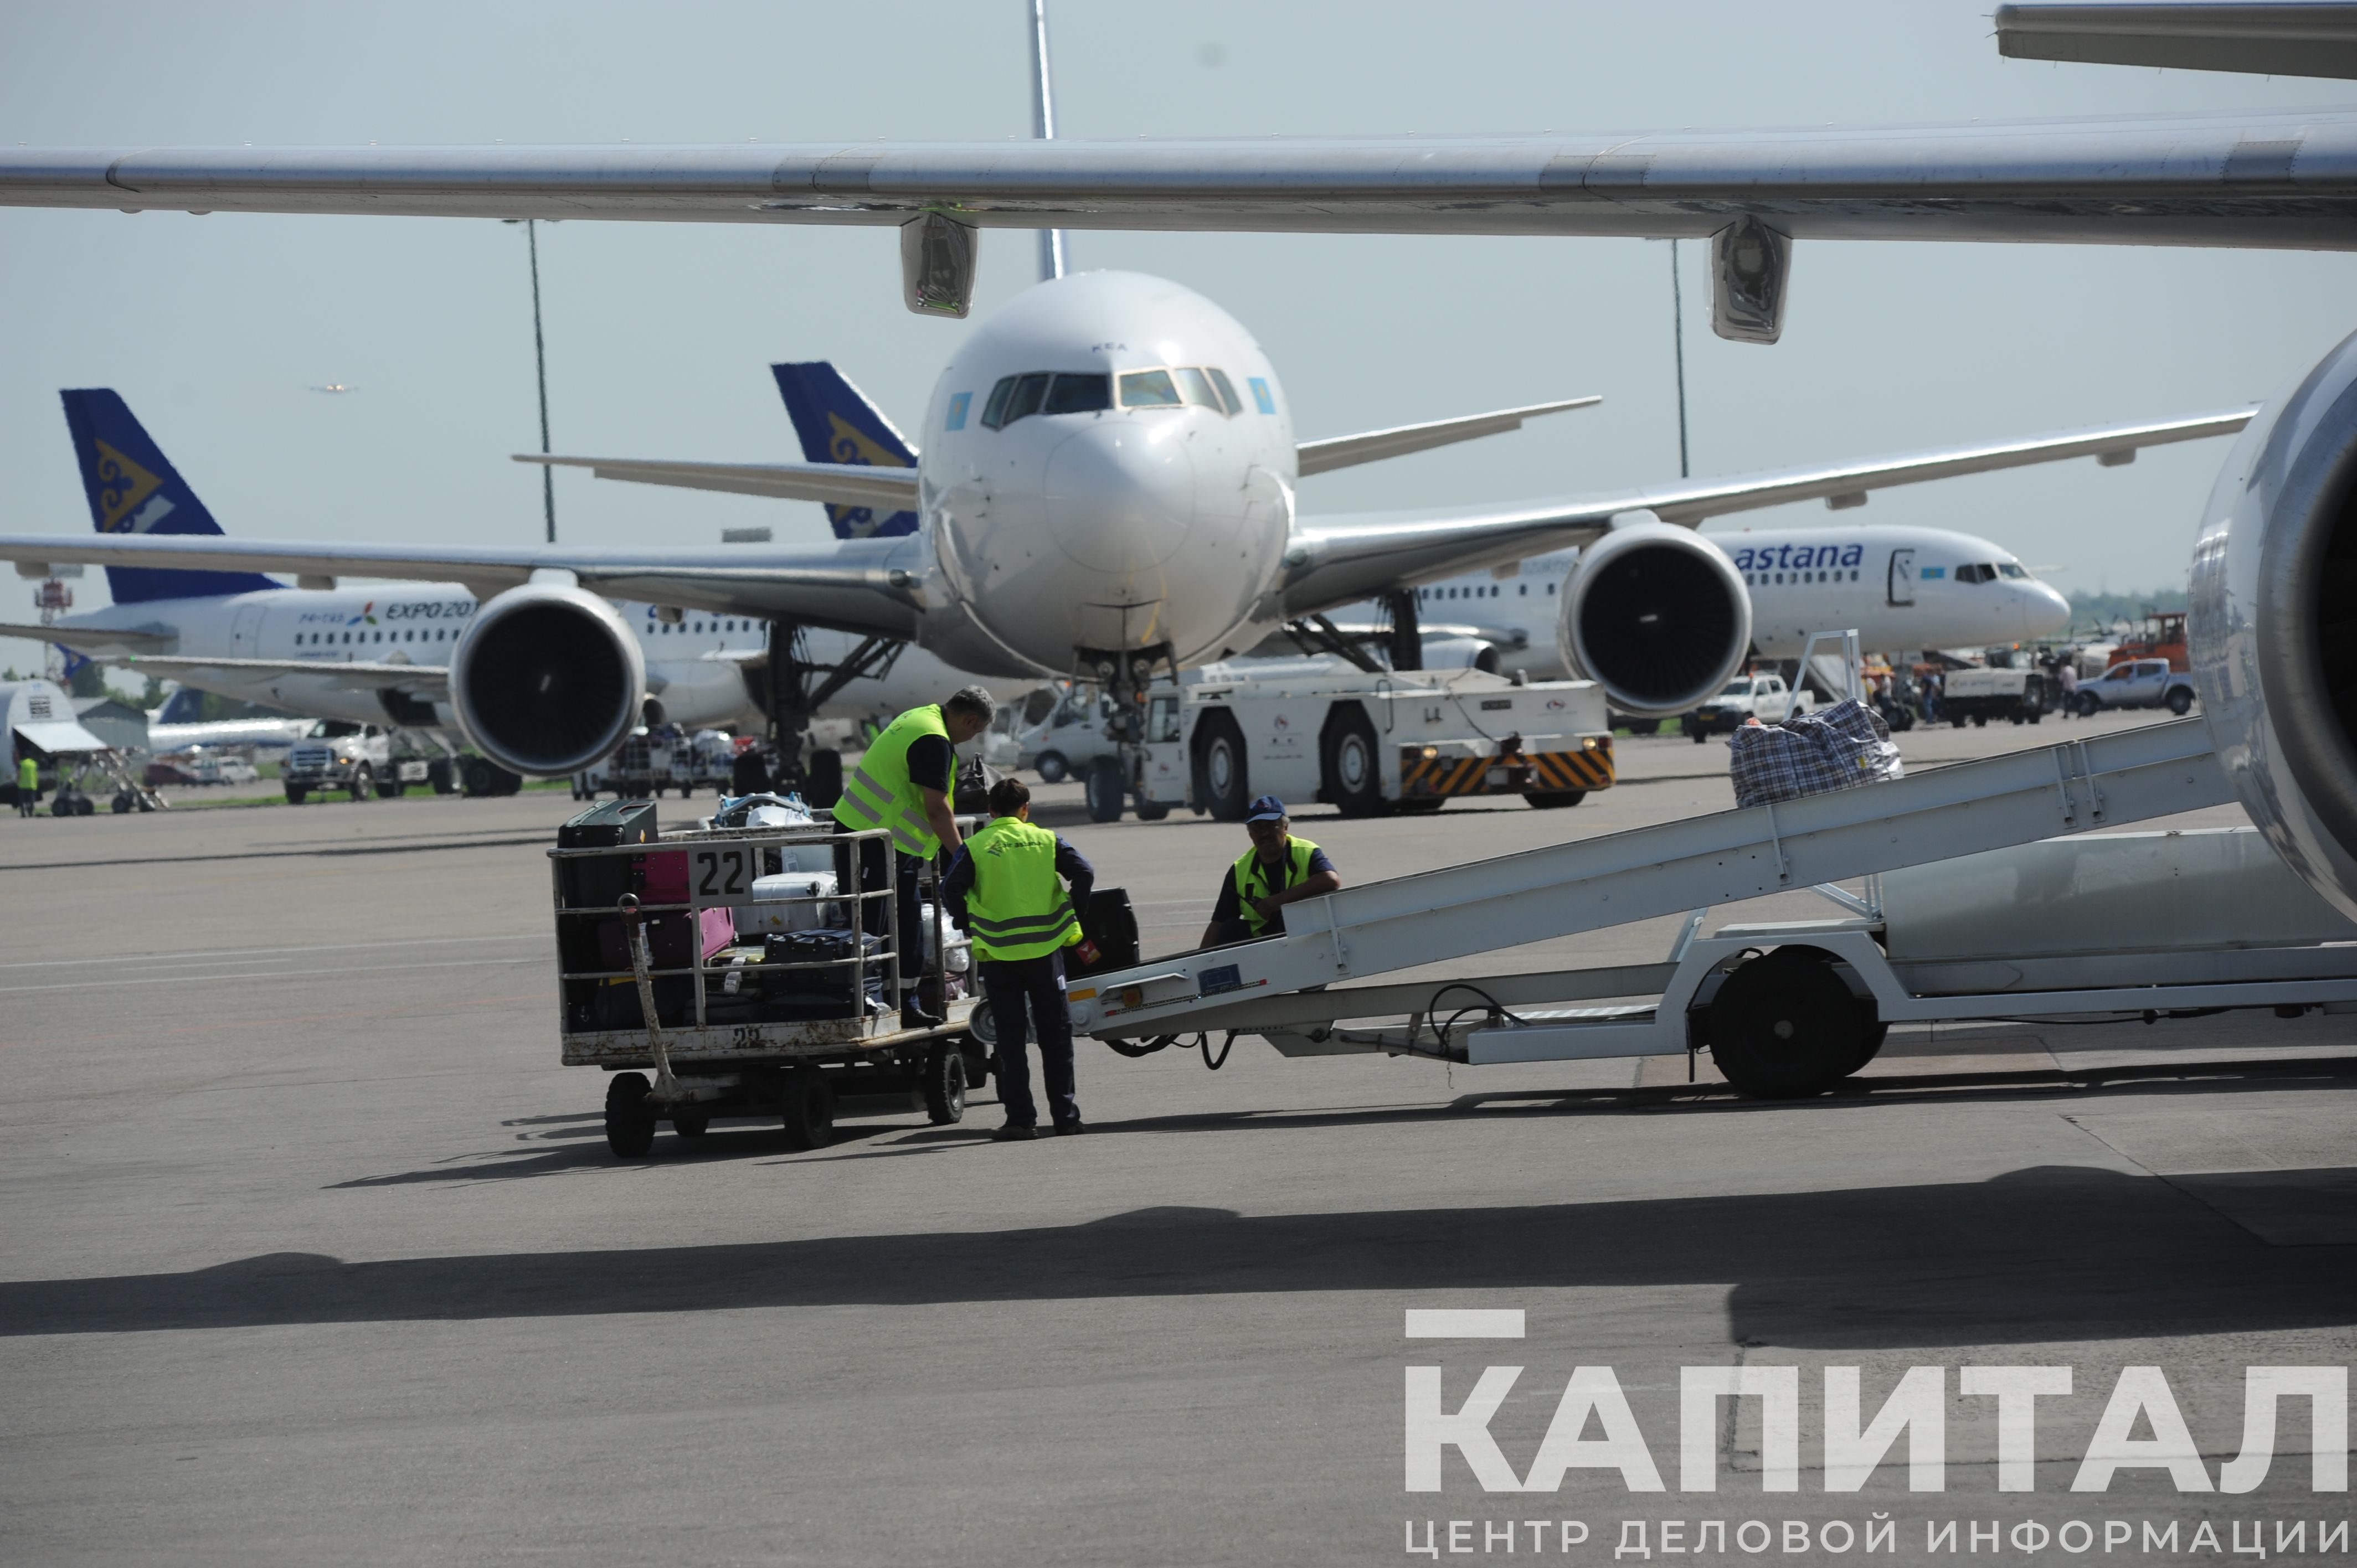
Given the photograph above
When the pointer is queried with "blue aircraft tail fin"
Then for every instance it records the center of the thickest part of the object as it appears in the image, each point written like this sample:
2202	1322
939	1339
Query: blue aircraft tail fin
837	424
134	489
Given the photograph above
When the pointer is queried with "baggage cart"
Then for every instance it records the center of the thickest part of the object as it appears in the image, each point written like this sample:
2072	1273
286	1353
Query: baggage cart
681	980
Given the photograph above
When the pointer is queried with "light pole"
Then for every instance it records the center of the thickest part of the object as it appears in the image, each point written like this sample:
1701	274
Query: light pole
1678	337
540	365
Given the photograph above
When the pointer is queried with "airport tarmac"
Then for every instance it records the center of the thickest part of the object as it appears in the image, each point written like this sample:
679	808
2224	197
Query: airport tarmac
315	1254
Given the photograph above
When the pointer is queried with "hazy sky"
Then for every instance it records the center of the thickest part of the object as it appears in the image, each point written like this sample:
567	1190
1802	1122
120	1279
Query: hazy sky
214	327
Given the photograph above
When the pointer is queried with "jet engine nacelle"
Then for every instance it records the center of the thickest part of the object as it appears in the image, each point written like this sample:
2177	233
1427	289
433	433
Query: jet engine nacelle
1461	653
547	680
2273	625
1657	616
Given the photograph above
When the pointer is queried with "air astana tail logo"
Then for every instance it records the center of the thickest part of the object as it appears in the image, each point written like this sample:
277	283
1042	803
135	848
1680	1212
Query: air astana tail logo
123	484
851	444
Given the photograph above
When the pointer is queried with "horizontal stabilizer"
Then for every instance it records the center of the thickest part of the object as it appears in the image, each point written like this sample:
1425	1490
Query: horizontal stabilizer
358	675
840	484
90	639
1373	445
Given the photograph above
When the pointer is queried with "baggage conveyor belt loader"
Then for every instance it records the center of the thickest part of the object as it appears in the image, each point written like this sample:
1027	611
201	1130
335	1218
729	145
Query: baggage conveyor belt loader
2179	922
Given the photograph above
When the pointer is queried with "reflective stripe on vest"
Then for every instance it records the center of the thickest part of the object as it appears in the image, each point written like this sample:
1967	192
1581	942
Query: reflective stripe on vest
1298	852
1019	909
878	793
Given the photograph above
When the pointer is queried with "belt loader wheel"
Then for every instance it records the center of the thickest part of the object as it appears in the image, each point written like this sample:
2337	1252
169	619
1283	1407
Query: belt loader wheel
945	1083
1784	1026
629	1121
808	1110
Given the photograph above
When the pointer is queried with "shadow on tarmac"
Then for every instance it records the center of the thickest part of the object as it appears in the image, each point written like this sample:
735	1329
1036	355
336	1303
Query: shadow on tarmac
2060	1252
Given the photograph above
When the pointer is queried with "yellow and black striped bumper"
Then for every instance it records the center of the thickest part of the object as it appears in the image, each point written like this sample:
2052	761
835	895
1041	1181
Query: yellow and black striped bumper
1546	772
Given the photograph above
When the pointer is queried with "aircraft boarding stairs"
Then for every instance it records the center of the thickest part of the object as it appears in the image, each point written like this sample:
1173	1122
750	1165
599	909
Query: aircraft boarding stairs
1289	988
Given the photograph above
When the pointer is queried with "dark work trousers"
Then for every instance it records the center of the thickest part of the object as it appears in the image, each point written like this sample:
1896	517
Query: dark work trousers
1009	984
876	863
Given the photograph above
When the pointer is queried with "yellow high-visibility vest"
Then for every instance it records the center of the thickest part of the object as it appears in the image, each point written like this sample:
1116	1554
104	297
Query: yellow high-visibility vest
1251	880
878	793
1019	908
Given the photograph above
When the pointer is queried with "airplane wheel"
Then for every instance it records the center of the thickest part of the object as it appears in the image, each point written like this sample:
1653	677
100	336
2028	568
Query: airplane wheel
1052	767
1784	1026
629	1121
1105	790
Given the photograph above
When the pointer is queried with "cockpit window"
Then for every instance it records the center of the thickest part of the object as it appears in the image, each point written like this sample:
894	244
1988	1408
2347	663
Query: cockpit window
1013	398
1079	394
1042	391
1149	389
2012	569
1977	572
1181	386
1196	388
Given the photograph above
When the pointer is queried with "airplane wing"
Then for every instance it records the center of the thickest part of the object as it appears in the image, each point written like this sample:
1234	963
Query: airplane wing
2305	39
844	484
359	675
1344	451
1340	560
2252	178
864	586
83	639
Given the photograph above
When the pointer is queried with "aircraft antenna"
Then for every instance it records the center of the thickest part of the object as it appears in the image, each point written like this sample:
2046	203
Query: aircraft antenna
1052	260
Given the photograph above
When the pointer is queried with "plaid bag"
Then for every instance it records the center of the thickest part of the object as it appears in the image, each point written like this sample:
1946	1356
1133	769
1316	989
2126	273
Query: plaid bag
1845	745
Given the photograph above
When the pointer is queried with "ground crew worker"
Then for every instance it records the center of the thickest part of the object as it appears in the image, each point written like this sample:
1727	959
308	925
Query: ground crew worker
1010	880
28	785
907	782
1279	869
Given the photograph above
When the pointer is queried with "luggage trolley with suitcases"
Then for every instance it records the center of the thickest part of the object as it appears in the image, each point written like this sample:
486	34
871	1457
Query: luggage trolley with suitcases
725	960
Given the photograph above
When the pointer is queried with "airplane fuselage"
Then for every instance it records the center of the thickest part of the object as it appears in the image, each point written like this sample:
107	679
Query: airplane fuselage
1107	467
694	667
1902	587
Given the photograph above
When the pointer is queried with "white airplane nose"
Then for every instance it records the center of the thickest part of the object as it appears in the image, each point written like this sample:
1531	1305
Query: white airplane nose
2044	610
1121	493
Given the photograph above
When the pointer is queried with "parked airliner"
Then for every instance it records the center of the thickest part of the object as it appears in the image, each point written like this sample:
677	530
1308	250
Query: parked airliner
379	654
1902	587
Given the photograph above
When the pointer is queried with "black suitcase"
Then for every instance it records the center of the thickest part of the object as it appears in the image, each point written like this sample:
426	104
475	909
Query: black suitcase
598	881
1112	925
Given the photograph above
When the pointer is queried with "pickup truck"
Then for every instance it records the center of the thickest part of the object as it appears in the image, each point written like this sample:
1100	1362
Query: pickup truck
1980	695
2137	684
1762	697
357	758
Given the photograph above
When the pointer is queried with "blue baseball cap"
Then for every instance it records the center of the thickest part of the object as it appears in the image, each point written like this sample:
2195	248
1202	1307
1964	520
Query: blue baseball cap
1267	809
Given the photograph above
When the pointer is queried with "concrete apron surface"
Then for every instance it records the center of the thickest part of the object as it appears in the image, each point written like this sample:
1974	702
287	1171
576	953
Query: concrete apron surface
315	1254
